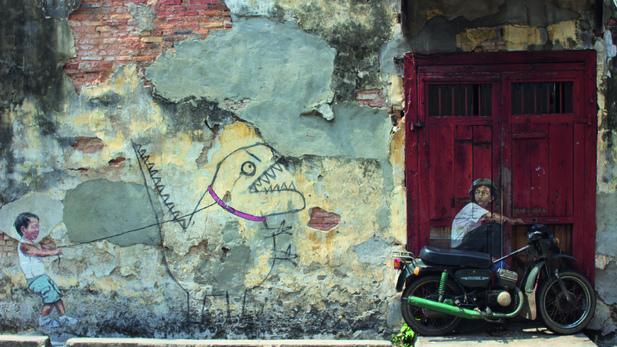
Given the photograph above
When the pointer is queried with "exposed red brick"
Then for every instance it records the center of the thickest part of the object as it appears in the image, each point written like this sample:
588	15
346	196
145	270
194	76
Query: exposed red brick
322	219
7	242
371	98
88	144
106	33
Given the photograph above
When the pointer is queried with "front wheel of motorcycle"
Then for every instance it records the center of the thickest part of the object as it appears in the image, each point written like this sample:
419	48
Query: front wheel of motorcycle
424	321
565	315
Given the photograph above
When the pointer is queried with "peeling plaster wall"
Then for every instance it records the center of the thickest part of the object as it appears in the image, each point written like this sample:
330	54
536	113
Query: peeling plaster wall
165	107
518	25
287	109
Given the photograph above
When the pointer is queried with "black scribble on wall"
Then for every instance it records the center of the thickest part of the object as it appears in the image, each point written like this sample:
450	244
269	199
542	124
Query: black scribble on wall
261	184
278	255
208	316
253	183
159	187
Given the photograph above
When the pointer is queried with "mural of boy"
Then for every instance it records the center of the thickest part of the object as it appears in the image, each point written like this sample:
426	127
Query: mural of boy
474	227
30	259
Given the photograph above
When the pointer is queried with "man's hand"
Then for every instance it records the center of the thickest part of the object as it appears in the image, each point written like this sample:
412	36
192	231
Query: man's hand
517	221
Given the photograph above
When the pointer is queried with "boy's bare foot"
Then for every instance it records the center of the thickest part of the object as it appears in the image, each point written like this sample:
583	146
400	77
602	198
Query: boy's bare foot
47	323
67	321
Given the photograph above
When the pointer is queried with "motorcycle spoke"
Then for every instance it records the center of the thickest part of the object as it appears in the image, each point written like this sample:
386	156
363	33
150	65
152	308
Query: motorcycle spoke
562	311
427	321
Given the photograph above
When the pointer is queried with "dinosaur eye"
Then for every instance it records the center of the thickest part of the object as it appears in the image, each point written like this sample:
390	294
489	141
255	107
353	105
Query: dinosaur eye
248	168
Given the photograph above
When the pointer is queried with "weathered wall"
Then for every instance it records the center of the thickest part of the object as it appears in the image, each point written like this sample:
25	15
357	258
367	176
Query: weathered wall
117	115
484	26
127	112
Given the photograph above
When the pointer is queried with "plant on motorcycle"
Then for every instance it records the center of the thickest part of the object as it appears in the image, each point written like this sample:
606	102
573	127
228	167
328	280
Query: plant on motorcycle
442	286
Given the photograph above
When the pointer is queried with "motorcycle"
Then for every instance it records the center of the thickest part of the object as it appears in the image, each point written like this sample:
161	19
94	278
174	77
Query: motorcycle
443	286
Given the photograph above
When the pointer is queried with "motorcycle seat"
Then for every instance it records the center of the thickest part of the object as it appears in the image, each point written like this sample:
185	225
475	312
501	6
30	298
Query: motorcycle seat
455	257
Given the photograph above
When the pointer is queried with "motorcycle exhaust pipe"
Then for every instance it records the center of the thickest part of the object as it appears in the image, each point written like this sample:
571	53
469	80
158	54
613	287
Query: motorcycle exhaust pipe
464	312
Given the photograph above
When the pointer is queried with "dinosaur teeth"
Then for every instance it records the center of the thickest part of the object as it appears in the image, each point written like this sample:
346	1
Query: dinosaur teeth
270	173
264	179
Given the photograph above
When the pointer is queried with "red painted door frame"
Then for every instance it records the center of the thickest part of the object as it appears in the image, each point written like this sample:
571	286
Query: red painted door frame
507	66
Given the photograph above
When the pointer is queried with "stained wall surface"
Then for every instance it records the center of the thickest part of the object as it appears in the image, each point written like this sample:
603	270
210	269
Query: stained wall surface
235	168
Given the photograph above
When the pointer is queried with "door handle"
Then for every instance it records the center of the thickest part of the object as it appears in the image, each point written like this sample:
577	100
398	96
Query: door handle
418	125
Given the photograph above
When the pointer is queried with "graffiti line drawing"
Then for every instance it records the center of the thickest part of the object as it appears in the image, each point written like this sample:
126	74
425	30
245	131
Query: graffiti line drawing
252	183
287	254
158	186
134	230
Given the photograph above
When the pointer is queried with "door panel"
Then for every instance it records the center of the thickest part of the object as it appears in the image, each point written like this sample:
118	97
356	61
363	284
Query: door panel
542	173
530	174
527	122
456	154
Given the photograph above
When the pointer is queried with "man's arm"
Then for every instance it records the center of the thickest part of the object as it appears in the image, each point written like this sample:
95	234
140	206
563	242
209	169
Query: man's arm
496	217
32	250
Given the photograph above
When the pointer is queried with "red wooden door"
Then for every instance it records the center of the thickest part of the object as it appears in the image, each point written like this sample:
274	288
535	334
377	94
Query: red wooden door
526	121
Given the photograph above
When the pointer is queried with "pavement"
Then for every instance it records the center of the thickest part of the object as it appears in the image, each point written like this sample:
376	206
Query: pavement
470	333
482	334
44	341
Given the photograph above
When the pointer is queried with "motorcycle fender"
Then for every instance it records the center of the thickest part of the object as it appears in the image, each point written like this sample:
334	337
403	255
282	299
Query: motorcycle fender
530	309
402	278
407	273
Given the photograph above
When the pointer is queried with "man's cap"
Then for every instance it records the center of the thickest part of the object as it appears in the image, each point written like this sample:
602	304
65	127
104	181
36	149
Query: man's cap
483	182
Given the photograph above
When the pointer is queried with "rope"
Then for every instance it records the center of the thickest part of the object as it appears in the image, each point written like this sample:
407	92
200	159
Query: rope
136	229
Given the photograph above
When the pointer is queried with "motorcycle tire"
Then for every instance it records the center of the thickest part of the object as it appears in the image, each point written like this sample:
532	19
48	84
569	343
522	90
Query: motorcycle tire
423	321
565	317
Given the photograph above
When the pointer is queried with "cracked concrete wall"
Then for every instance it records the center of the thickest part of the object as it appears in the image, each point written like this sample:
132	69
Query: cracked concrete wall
246	181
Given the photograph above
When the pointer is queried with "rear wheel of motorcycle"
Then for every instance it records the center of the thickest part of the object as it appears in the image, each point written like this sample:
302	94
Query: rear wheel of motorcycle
423	321
560	315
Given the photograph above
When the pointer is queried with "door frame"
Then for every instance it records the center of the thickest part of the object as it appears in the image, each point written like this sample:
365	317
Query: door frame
502	62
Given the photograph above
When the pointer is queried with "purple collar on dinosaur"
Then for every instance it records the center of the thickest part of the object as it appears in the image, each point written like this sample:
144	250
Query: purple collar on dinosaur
232	210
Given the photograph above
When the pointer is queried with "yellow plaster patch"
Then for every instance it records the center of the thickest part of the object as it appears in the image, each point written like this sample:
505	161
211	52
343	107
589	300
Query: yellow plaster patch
397	148
395	91
95	119
519	37
331	13
234	136
472	38
238	132
563	33
107	284
65	282
17	280
176	151
259	271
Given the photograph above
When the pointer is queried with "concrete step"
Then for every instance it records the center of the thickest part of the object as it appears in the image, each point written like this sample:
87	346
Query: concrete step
133	342
513	334
24	341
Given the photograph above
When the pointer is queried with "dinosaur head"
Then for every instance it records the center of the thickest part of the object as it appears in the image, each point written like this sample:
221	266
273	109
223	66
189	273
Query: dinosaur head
253	182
